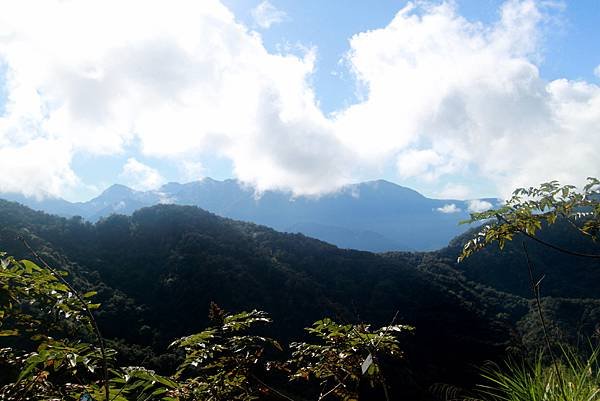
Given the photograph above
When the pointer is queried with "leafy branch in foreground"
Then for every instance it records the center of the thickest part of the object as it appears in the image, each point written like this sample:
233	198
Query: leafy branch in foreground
48	357
530	209
526	212
345	355
222	362
38	306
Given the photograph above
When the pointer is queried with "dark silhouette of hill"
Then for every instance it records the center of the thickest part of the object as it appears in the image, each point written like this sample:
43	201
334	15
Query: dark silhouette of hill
375	216
157	270
564	275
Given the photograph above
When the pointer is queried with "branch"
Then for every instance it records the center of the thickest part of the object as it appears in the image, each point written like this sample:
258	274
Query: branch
549	245
535	288
323	395
85	307
279	393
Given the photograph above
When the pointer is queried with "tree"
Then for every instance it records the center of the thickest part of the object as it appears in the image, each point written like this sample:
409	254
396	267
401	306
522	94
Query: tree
221	362
51	356
39	309
346	355
528	211
531	209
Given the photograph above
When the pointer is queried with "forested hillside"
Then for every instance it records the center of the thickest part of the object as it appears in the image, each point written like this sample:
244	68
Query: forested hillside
374	215
565	275
157	271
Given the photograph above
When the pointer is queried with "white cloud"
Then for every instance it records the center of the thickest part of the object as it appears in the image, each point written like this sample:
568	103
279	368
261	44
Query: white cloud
186	78
597	71
427	165
476	206
266	14
440	95
470	98
141	176
39	167
449	208
192	170
454	191
414	162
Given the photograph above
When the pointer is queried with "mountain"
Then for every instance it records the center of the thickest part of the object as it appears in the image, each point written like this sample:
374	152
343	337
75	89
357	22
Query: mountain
157	270
375	216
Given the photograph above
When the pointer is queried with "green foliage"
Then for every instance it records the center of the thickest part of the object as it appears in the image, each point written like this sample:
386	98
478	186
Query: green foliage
525	214
52	368
521	381
30	294
530	209
345	355
156	271
36	306
136	383
222	361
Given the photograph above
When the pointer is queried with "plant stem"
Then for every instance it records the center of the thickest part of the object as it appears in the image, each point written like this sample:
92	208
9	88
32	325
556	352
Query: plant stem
323	395
86	309
535	288
549	245
274	390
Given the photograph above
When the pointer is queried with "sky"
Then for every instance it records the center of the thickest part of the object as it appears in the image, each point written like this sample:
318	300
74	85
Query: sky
456	99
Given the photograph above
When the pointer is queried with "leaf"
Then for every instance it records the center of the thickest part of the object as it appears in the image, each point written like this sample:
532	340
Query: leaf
72	358
366	364
30	267
530	210
89	294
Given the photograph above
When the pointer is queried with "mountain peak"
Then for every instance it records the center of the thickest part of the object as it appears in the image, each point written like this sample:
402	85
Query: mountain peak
172	186
374	215
118	189
387	187
114	193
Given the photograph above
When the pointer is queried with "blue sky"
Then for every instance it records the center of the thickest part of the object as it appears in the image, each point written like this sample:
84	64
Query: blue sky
570	50
299	96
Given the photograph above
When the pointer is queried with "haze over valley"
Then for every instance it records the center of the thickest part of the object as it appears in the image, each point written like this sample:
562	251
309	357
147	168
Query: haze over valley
376	216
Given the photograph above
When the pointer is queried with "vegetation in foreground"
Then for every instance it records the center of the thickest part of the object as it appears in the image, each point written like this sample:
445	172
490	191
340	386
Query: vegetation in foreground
51	323
565	375
579	379
55	349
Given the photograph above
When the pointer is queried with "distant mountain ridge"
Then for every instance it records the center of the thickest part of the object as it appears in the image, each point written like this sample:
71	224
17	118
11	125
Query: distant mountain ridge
375	216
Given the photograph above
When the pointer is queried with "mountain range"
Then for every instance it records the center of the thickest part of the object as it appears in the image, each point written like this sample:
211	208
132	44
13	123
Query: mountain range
155	273
375	216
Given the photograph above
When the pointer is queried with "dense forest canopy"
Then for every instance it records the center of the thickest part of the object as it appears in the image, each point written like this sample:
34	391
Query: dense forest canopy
156	272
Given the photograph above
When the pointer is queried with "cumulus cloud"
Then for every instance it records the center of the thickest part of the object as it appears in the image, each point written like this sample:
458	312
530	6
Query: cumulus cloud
440	96
449	208
186	78
476	206
141	176
38	168
597	71
454	191
469	96
192	170
266	14
418	163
